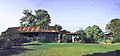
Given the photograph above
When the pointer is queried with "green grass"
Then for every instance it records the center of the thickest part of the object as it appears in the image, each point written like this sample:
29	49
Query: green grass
67	49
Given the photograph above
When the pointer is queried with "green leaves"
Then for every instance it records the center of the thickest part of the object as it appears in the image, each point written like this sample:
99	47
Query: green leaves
94	32
91	34
38	23
41	18
114	27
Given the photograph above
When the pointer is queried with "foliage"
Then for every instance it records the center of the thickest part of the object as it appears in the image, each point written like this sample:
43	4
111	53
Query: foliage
8	35
110	40
7	44
68	49
2	41
4	35
15	38
91	34
114	27
59	27
41	18
82	35
94	33
20	40
113	39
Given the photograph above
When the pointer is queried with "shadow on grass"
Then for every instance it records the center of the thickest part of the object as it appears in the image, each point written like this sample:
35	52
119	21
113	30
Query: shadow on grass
13	51
110	53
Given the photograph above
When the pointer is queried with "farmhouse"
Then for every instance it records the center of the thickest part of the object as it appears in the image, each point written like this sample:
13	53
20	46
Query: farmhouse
44	34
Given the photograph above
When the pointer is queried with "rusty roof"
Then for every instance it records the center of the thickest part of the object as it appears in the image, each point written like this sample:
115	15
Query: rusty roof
33	29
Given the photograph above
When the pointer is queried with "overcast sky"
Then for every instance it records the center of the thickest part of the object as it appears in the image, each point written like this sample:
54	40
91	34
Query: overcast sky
70	14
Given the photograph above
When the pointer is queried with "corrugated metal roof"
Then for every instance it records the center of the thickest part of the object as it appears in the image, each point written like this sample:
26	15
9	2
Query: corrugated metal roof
33	29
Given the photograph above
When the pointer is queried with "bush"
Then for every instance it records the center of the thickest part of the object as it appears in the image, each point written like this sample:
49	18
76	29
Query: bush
113	39
110	40
20	40
7	44
2	41
87	40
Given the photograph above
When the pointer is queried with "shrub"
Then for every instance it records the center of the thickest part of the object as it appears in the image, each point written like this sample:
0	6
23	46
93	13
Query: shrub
110	40
113	39
7	44
20	40
2	41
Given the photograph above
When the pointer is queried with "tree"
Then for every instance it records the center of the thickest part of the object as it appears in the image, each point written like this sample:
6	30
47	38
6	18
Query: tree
98	34
89	35
41	18
114	27
94	34
82	35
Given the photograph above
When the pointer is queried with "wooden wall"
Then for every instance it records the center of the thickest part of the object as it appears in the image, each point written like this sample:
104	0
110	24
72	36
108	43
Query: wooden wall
48	37
43	37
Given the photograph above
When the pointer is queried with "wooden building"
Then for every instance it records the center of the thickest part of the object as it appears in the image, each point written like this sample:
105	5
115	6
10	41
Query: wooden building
71	37
42	34
108	34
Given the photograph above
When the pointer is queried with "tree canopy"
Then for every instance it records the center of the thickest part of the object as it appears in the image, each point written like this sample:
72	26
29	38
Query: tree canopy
40	18
94	33
91	34
114	27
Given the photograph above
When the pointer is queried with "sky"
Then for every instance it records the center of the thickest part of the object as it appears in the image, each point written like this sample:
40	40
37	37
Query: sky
72	15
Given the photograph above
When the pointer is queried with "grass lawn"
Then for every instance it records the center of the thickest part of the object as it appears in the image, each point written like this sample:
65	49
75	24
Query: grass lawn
67	49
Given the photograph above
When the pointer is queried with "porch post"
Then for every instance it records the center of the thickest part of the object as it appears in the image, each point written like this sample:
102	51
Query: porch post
73	39
58	38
